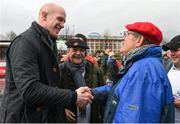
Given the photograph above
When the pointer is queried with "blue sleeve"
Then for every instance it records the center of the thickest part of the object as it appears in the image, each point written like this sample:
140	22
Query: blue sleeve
101	93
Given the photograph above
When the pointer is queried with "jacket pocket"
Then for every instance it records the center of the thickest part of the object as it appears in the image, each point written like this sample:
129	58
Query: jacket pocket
35	114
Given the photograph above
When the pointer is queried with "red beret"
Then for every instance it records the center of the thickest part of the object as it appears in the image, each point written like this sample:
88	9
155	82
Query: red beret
148	30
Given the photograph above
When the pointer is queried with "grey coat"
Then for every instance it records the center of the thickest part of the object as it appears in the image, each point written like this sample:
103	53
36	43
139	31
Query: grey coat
32	89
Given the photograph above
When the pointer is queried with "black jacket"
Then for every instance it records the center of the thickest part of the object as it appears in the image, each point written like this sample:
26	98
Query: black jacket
32	89
103	64
112	70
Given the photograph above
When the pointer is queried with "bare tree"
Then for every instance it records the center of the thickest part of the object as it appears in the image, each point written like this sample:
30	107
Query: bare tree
2	37
67	33
11	35
106	36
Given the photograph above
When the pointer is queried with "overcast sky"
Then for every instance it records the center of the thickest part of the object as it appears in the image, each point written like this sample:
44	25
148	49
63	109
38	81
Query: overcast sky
95	15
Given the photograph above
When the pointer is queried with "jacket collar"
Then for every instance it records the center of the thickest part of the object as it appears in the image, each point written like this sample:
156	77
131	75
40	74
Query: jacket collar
138	54
39	29
44	35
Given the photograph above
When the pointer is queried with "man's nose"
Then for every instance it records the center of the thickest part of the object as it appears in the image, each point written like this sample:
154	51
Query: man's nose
62	24
78	52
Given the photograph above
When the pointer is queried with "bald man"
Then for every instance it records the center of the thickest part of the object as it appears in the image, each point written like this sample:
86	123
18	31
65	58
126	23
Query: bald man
32	91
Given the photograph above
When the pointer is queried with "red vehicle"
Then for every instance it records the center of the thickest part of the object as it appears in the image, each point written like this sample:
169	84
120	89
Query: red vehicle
3	47
2	75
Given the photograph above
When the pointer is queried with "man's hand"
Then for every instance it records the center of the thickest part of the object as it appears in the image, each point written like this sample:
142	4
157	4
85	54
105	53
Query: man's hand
70	115
84	96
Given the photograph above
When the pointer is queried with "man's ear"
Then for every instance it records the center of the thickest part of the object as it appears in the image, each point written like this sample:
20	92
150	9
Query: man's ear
67	51
44	15
139	41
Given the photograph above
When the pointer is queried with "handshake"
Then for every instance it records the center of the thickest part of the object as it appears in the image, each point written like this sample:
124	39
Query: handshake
84	96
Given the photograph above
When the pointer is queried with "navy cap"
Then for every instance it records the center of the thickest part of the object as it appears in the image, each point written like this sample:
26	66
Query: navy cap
77	42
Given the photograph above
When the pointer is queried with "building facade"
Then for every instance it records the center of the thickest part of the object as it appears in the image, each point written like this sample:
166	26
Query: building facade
101	43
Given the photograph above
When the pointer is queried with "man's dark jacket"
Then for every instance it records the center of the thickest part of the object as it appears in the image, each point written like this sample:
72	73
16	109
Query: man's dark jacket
32	89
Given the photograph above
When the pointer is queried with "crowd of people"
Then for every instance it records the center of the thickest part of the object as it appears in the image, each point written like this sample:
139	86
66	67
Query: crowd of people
80	88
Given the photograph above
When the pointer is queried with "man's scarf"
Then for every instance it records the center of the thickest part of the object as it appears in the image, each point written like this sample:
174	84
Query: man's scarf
133	56
77	72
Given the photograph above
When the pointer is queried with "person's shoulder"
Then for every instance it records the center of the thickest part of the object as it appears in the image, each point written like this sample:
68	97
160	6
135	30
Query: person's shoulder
89	64
148	61
28	34
22	37
142	65
149	66
63	65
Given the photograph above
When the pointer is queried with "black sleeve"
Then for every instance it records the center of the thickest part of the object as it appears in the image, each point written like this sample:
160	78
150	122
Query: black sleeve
111	71
103	62
23	58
